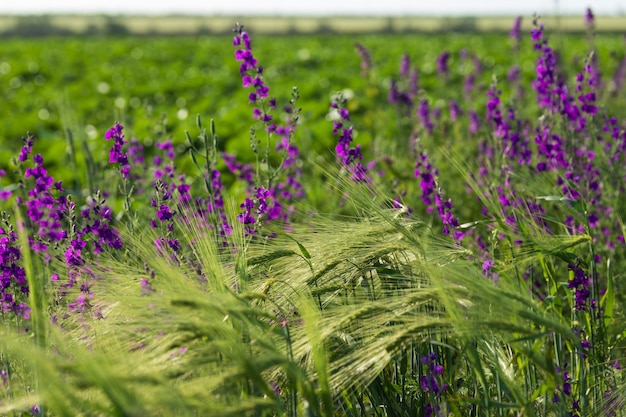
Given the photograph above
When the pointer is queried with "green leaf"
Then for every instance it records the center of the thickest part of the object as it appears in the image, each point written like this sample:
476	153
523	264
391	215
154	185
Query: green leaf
303	250
271	256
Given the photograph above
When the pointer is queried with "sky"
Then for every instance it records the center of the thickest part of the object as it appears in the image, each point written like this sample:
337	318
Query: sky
317	7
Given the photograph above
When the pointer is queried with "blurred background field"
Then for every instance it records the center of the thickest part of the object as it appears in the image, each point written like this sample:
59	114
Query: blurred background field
182	66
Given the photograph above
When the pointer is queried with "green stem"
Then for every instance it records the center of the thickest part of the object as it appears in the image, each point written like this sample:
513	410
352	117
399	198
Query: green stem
36	289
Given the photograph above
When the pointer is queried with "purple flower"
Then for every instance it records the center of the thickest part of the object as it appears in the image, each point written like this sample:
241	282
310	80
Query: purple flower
551	90
43	207
12	275
413	82
515	145
536	33
81	304
173	243
450	223
263	195
136	152
116	155
366	59
580	284
516	30
400	98
442	64
468	85
567	386
589	19
474	121
513	74
405	65
164	213
423	112
291	150
350	157
243	172
455	110
487	268
251	74
426	173
73	254
26	149
168	147
430	381
586	93
246	216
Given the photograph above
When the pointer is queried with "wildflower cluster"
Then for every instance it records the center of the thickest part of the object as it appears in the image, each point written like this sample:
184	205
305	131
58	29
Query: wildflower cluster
13	286
515	144
450	222
432	385
116	154
442	64
567	140
274	193
426	173
580	283
402	92
171	194
56	229
564	391
425	117
44	201
349	157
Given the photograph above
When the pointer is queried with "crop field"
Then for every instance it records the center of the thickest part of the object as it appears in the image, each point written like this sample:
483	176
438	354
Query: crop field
276	222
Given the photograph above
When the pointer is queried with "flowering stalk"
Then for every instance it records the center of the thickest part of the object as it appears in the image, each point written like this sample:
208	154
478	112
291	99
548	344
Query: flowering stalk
13	286
402	92
278	193
366	59
349	157
450	222
442	65
516	33
211	207
431	385
427	174
117	155
424	115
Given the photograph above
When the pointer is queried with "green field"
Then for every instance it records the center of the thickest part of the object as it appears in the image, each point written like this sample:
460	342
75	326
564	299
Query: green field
157	85
313	223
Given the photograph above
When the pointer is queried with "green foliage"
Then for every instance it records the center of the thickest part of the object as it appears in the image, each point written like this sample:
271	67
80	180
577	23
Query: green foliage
360	305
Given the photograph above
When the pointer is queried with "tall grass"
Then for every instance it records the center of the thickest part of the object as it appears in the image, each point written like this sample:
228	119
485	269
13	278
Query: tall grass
458	262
